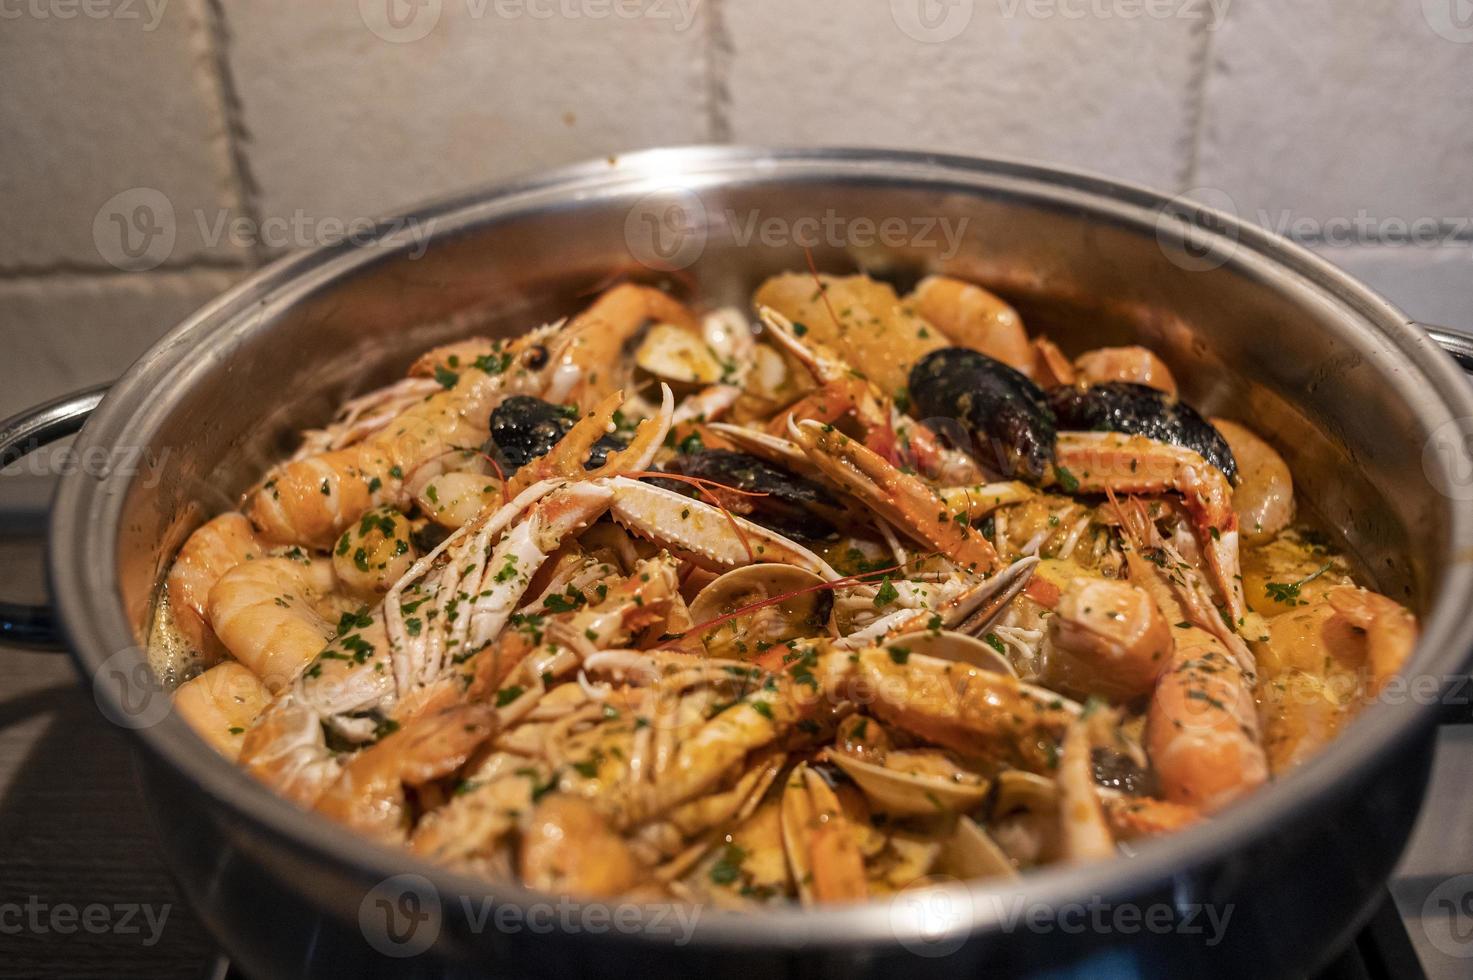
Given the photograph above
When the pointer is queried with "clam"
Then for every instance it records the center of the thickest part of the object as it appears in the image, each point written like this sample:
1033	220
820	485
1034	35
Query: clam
824	858
800	615
957	647
677	355
971	852
980	608
1018	790
915	783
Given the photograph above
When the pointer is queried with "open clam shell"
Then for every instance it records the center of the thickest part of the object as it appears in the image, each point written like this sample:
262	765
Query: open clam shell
759	622
674	354
953	646
920	783
976	611
971	852
1018	791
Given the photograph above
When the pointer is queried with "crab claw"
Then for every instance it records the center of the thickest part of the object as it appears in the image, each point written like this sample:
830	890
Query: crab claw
901	499
711	537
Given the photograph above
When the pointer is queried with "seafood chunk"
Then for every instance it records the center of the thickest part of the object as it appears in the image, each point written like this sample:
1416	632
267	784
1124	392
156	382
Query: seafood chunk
569	848
710	537
1134	409
1202	730
1138	365
903	500
970	316
823	855
1106	638
268	614
771	496
220	705
1264	495
864	318
374	553
975	712
1004	416
369	793
1099	462
524	428
213	549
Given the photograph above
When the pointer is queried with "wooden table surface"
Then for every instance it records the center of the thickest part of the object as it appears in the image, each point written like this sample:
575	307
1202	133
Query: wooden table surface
73	832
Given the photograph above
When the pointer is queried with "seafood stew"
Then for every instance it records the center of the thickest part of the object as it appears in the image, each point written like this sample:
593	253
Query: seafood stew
677	604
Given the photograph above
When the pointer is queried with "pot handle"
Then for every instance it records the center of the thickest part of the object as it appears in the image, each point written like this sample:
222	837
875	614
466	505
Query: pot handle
1455	342
21	435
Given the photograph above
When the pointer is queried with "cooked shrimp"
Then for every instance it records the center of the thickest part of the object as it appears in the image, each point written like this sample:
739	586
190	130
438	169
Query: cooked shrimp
1391	631
213	549
902	499
1144	816
588	358
1202	729
1139	365
311	501
1320	659
970	316
268	613
220	705
569	848
369	794
1106	638
1050	367
1264	496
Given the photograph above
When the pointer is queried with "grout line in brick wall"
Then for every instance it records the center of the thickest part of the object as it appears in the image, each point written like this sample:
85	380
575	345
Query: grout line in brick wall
719	53
1201	69
248	190
85	270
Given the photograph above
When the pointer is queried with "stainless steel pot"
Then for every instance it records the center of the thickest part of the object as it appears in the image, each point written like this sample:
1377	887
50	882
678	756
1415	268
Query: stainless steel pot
1370	413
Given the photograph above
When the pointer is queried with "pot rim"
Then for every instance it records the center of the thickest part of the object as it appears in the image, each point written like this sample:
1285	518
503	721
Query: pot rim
84	534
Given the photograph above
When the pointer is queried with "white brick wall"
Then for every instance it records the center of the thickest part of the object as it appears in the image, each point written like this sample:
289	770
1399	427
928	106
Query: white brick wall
1342	123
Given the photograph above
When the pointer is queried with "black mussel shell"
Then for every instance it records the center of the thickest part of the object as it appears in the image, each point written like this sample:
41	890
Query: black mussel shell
986	408
524	428
793	506
1138	410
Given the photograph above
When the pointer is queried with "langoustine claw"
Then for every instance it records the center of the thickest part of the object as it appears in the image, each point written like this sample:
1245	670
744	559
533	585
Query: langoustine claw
1096	462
